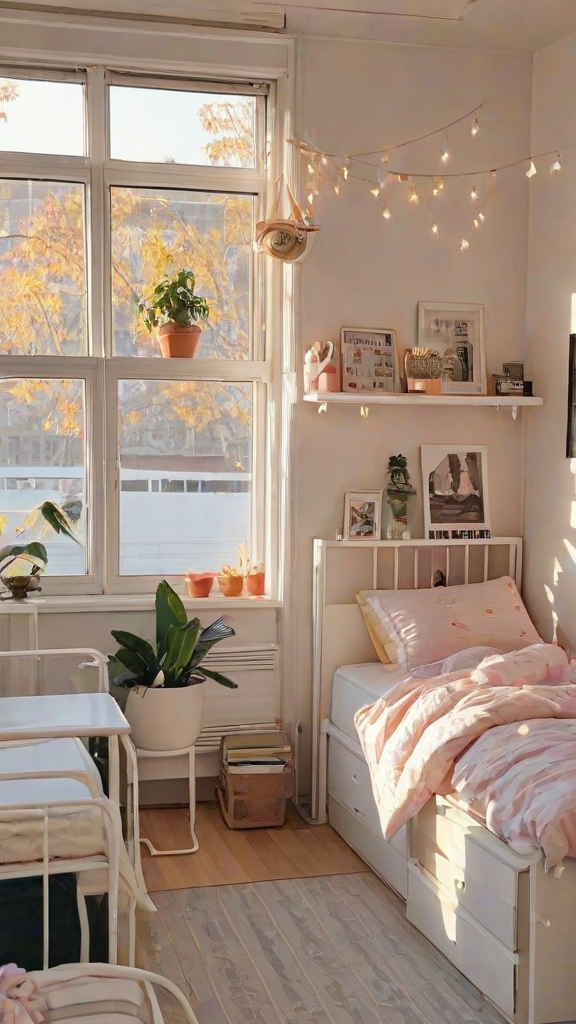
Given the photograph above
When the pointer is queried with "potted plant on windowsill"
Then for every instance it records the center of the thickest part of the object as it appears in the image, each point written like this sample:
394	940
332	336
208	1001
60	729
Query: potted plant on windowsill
178	312
166	683
22	564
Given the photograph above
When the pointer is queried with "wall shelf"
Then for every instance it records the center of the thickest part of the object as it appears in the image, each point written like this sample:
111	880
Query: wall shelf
369	398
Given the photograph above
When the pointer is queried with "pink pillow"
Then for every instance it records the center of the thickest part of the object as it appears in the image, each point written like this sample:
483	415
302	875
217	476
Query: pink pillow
430	625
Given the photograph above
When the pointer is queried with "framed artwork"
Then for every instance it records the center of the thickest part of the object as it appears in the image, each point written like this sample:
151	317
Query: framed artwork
362	515
571	427
369	359
455	489
456	331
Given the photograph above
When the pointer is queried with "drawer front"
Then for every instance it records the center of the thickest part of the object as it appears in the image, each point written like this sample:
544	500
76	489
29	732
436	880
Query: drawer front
480	957
349	782
471	874
388	864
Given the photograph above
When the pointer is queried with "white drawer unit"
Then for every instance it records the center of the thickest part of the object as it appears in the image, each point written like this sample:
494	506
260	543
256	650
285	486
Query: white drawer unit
353	812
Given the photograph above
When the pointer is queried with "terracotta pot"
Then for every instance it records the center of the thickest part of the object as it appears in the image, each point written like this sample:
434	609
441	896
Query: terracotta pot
165	718
231	586
255	584
21	586
179	342
199	584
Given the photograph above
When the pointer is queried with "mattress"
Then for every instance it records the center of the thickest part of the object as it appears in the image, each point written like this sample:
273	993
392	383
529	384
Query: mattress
72	832
353	686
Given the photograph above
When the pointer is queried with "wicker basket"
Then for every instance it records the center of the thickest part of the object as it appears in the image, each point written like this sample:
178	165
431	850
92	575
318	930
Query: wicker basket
255	801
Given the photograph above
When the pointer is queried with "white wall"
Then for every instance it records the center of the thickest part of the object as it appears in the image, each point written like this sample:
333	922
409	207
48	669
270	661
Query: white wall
550	579
365	271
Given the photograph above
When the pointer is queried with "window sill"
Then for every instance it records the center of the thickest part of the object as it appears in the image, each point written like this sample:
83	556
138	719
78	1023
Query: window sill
133	602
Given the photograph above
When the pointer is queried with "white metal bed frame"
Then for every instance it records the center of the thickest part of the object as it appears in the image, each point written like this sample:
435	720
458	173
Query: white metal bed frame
339	634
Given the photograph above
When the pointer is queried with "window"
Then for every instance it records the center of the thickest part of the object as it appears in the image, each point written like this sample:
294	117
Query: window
128	180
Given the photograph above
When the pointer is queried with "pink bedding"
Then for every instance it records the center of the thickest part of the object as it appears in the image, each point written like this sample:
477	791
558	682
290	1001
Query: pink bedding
503	736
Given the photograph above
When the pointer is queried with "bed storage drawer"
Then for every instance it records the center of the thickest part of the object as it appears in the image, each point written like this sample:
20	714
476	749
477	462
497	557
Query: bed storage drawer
485	961
468	870
349	782
388	864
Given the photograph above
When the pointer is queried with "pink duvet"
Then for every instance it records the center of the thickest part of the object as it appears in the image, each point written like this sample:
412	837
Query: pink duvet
503	736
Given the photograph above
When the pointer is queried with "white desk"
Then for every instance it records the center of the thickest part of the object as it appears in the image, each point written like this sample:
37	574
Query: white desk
60	715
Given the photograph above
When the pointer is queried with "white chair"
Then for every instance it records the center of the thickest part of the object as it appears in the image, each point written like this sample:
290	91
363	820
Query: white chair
79	993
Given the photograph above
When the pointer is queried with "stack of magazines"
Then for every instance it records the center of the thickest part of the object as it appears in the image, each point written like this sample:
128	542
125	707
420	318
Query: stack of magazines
256	753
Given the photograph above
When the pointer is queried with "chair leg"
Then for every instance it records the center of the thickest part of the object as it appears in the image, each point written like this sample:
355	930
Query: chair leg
84	926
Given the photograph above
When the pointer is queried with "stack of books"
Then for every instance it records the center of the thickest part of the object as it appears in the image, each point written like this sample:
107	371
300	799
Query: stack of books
256	754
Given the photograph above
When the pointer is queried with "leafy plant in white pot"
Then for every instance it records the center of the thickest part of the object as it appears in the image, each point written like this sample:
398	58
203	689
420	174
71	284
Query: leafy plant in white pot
166	684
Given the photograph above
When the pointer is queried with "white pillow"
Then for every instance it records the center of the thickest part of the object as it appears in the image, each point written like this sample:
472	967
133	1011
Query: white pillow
427	626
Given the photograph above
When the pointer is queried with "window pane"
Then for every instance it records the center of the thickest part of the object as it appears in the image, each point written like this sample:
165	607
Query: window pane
185	475
42	268
158	231
188	127
41	117
42	459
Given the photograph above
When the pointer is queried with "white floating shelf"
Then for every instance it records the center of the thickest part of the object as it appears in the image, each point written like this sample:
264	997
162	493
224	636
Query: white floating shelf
371	398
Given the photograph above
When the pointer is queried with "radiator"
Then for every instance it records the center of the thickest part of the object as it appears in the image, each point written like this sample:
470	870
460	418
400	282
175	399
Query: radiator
254	706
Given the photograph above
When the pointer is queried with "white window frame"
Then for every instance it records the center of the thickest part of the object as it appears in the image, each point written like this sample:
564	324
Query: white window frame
101	369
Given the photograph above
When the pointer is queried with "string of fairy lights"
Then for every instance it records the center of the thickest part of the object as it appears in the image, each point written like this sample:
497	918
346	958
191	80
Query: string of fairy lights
333	171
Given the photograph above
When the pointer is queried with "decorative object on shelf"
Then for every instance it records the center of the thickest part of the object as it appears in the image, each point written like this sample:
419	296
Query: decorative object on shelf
386	179
178	312
511	381
400	500
571	427
362	515
321	368
456	331
285	239
230	582
455	489
255	580
199	584
166	682
369	359
423	369
16	558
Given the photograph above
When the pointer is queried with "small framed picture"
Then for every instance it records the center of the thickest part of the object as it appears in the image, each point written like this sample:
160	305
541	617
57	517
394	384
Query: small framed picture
369	359
455	489
455	330
362	515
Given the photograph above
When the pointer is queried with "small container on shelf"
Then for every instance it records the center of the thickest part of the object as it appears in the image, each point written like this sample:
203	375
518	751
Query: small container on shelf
256	580
199	584
230	584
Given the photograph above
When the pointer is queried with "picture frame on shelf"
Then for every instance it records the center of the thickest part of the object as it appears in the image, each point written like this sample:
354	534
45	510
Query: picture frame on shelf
369	360
455	490
456	331
362	515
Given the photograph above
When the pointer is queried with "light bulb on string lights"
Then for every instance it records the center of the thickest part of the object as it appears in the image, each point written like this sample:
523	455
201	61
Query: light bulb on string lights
375	191
384	158
445	156
435	230
475	127
556	166
476	222
414	198
311	169
481	217
336	190
345	172
386	213
474	194
324	160
464	245
531	170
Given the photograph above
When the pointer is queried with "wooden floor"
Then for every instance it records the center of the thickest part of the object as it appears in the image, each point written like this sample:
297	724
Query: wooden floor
333	950
228	857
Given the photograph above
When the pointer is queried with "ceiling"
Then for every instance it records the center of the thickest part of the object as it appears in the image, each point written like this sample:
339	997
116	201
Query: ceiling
523	25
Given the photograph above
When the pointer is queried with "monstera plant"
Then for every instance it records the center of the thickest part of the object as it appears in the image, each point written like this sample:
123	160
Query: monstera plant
165	679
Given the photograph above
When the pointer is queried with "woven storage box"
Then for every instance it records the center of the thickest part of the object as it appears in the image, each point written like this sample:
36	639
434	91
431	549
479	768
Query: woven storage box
254	801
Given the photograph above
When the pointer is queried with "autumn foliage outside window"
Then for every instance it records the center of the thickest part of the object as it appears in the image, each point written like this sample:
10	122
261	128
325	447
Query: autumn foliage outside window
184	446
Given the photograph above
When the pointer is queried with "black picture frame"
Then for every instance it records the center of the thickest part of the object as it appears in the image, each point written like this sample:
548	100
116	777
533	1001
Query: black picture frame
571	421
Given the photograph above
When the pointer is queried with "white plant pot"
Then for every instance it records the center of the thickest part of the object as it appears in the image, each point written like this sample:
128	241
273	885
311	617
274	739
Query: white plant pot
165	718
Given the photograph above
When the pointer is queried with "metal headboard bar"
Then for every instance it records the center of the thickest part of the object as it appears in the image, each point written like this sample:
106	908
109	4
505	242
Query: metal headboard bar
322	552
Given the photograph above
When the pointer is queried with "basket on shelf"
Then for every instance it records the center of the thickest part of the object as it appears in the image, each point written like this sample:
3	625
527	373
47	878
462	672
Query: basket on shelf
250	800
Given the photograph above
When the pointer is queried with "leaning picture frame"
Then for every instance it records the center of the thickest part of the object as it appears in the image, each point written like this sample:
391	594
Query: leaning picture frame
455	491
369	360
362	515
456	331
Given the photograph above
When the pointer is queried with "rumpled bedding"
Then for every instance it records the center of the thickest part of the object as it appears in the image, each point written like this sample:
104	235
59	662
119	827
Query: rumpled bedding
502	735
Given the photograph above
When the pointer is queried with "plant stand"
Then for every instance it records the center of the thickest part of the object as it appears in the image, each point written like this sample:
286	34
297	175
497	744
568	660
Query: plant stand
190	751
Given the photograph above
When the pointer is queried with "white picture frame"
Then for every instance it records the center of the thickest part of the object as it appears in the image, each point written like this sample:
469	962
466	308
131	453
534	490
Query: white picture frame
456	327
455	491
362	515
369	360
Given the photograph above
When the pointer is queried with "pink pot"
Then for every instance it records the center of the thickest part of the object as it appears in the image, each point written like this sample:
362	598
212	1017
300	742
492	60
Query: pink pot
255	584
199	584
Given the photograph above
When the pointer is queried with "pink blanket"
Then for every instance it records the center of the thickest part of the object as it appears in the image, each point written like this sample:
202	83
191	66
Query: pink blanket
497	734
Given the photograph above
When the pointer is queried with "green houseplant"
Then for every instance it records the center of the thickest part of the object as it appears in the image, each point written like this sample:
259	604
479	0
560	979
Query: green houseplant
21	565
166	681
178	312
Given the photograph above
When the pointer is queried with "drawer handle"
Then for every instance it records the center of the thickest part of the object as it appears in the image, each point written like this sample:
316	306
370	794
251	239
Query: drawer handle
460	885
354	779
358	811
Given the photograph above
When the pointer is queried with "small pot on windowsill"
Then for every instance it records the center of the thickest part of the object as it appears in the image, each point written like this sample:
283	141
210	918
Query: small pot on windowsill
20	586
231	586
178	342
199	584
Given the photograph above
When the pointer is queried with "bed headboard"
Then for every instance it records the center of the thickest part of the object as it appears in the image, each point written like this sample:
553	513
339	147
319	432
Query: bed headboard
341	568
